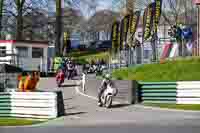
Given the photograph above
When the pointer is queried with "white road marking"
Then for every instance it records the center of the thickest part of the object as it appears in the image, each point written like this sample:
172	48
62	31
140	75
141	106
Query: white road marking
85	95
75	117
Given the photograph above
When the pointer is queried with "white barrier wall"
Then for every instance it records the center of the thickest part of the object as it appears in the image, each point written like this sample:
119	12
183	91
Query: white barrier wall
170	92
188	92
42	105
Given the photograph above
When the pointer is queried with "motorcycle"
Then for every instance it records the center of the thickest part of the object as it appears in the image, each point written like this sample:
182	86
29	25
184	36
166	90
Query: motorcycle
99	70
60	78
92	69
72	73
107	96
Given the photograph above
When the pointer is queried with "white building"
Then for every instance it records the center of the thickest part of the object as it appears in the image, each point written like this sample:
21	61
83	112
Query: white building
29	55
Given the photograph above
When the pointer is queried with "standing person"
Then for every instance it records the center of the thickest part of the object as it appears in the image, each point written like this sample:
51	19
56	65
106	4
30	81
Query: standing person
21	81
83	81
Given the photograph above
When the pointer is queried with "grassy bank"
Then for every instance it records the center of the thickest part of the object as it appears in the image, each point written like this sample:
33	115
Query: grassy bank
176	70
17	122
176	106
83	57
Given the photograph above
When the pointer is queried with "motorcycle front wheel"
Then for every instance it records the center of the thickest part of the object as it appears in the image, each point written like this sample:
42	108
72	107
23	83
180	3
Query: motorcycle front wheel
59	83
108	103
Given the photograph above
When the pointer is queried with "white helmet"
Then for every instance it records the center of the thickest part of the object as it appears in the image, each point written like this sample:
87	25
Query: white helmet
107	76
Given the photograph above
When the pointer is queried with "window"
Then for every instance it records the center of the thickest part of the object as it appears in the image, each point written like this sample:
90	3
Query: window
2	51
37	52
22	51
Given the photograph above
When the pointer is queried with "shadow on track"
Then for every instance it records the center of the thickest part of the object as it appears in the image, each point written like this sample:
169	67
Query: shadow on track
76	113
119	105
67	85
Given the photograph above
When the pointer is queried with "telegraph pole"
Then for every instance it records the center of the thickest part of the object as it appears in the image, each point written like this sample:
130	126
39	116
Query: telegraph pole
58	27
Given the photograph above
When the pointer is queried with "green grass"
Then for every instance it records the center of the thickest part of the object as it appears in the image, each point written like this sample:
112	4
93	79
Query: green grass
17	122
88	56
83	53
176	70
176	106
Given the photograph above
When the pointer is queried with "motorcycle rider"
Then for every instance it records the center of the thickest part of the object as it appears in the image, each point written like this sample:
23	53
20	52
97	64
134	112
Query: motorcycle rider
70	68
106	81
62	65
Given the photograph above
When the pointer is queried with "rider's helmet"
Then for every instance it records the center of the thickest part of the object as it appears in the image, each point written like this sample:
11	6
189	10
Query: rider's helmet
107	76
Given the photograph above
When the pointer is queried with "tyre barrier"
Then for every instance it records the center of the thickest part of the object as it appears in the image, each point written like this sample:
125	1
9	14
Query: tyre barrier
41	105
170	92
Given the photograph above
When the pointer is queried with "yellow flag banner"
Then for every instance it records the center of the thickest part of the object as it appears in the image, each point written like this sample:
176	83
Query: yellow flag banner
66	37
67	42
157	14
115	36
134	20
148	21
124	30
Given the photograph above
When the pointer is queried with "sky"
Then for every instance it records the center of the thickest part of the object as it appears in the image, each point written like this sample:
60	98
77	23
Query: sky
105	4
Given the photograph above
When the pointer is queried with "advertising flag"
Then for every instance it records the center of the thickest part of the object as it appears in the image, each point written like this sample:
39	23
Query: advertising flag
124	27
148	21
157	13
115	36
134	20
67	42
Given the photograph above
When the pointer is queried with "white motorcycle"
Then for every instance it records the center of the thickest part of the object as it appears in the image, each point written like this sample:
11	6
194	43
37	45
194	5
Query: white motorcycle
107	96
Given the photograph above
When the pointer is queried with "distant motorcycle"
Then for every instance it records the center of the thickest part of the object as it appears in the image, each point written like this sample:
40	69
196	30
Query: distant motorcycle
60	78
99	70
72	73
107	96
92	69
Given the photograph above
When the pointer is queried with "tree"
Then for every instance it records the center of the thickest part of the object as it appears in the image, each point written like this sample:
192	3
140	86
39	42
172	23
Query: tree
1	14
20	5
18	14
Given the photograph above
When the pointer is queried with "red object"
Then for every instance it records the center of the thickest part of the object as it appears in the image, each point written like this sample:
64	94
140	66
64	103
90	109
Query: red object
197	2
60	76
166	51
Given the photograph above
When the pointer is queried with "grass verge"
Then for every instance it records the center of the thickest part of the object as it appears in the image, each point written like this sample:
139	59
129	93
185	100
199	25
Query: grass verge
192	107
175	70
17	122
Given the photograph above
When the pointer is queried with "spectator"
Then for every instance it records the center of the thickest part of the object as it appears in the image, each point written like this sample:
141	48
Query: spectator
83	81
21	81
30	82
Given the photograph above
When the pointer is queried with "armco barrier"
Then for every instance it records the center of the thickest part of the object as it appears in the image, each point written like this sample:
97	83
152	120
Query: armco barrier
126	90
42	105
170	92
